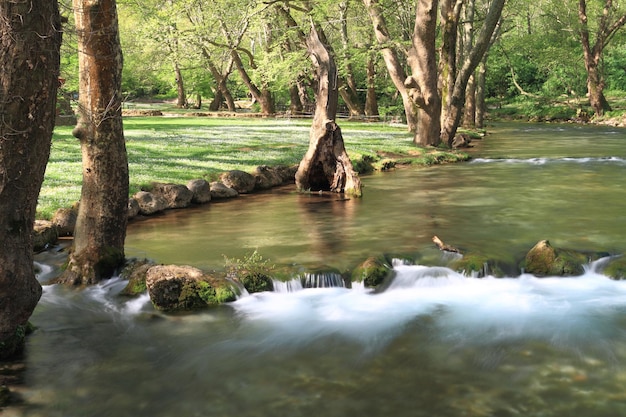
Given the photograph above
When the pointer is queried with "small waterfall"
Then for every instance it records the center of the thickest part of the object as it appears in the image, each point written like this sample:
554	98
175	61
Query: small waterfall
310	280
322	280
288	286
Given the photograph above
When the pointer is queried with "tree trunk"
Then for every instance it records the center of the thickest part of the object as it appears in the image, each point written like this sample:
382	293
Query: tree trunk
98	247
348	88
450	16
181	97
394	66
422	84
326	165
593	54
483	42
355	109
481	81
371	102
263	96
295	105
30	37
469	113
221	88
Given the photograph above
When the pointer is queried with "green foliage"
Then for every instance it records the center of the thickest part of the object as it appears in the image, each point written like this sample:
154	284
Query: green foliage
251	264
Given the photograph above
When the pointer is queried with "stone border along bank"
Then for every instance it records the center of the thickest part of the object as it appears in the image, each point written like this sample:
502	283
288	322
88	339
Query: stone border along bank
162	196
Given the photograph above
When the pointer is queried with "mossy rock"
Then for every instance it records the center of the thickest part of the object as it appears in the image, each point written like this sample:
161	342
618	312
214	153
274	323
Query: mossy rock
185	288
545	260
477	265
14	345
470	264
135	272
372	272
257	282
616	268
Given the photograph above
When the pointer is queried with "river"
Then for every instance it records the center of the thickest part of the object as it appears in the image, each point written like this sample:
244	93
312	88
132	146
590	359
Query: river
434	343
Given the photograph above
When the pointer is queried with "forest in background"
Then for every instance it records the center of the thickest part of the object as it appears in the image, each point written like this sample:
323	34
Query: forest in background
219	54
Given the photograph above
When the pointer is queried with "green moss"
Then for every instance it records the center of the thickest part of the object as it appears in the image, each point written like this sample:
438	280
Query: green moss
616	269
471	264
257	282
13	345
372	272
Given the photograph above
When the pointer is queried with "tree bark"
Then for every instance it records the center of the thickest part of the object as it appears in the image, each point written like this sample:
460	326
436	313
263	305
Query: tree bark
392	62
481	81
222	93
422	84
30	38
262	95
371	101
98	247
348	87
326	165
181	97
483	42
593	54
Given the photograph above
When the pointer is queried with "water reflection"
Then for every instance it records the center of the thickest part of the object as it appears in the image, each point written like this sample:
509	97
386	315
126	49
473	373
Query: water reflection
434	343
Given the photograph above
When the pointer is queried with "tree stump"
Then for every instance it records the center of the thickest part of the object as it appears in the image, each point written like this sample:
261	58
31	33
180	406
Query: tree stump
326	165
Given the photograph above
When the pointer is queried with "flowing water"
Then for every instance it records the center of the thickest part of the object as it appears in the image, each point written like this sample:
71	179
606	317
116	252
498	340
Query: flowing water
432	343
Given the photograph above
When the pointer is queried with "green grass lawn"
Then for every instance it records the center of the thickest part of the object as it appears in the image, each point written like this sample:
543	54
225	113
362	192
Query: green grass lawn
178	149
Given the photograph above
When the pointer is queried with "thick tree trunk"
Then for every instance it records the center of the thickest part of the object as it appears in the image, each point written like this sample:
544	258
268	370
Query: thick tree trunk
371	101
473	58
469	112
326	165
481	81
394	66
98	247
181	97
450	16
30	38
593	54
422	84
348	87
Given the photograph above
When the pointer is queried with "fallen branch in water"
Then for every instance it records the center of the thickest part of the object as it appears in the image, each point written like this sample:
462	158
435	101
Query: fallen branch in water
443	246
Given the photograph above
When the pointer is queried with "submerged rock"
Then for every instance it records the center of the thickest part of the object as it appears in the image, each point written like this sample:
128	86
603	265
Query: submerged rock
185	288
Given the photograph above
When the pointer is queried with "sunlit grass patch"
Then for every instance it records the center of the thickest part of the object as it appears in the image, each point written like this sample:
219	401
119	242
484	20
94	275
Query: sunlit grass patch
179	149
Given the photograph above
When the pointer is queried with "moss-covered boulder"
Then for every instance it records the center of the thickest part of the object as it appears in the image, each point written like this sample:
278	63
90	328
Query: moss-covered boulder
135	272
185	288
471	265
545	260
615	268
372	272
257	282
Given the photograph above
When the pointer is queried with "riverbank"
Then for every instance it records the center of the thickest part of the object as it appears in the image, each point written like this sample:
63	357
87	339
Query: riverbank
180	149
